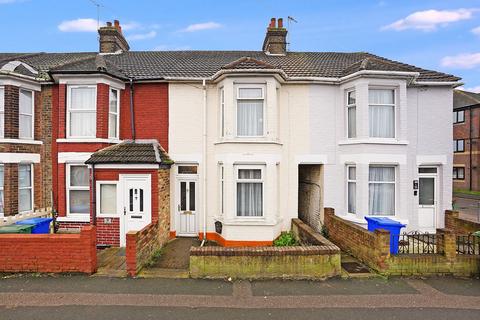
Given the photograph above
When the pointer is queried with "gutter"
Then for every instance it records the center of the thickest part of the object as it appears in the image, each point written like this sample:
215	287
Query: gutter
132	111
204	159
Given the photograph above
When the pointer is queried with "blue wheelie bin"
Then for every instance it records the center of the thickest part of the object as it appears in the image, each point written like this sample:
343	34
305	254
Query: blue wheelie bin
40	225
388	224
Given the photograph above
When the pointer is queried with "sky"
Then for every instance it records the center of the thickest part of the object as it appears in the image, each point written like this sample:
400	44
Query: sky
442	35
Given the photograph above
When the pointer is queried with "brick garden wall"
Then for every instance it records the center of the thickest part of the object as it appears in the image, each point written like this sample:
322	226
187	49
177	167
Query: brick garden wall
49	252
459	226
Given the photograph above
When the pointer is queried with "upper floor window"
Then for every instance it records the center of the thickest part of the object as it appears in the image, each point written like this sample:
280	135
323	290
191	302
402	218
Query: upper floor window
351	115
1	189
2	111
249	191
250	112
382	113
25	114
458	173
381	191
81	113
222	112
459	145
113	114
25	188
459	116
352	189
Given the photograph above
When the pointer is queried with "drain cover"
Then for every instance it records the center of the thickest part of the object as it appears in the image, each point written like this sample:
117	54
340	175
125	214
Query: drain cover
355	267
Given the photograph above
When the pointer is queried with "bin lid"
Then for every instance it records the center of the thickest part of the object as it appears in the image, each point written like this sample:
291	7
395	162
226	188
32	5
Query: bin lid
34	221
15	228
384	221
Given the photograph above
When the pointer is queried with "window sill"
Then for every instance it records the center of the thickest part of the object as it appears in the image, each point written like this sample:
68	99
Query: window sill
248	141
75	218
373	141
88	140
21	141
249	222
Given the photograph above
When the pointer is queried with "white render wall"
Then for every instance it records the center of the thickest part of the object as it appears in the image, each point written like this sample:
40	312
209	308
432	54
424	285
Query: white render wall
306	125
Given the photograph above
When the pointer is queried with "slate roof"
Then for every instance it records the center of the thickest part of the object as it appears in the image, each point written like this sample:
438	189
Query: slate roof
149	65
131	152
465	98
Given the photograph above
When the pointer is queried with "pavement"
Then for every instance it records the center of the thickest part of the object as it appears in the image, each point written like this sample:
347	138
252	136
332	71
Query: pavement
83	297
469	208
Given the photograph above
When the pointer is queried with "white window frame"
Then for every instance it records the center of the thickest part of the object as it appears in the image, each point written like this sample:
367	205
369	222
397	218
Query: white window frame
395	110
351	181
68	188
2	111
117	114
221	187
252	86
348	106
455	146
31	186
3	190
69	110
395	188
26	114
222	112
261	180
98	185
455	116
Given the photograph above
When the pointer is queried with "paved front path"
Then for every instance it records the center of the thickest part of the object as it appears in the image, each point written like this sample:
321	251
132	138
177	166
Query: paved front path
468	208
79	297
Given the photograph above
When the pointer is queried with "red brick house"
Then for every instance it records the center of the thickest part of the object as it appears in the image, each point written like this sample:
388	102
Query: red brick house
466	135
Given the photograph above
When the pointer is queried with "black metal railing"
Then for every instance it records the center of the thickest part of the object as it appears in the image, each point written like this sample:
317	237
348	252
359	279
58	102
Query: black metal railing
419	243
468	244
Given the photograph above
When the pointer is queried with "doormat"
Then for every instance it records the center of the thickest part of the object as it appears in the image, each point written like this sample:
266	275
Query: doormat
355	267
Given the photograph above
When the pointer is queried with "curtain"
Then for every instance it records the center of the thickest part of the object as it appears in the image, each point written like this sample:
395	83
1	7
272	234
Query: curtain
382	191
82	98
250	118
79	201
112	125
113	101
79	176
249	194
25	190
382	113
25	126
82	112
108	198
25	114
352	197
352	122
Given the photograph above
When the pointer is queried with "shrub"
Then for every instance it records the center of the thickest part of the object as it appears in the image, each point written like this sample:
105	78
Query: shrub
285	239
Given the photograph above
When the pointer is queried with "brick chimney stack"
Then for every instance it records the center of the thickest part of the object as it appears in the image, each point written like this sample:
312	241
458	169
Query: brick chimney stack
112	39
276	38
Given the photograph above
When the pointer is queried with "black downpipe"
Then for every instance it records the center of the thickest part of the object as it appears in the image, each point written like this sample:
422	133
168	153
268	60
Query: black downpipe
132	112
471	147
94	198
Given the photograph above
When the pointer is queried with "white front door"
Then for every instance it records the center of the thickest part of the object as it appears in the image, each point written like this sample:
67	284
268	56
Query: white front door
427	199
137	211
186	205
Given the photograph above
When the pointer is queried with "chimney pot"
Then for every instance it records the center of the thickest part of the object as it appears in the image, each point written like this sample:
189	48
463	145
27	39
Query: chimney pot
111	39
116	23
280	22
109	24
272	23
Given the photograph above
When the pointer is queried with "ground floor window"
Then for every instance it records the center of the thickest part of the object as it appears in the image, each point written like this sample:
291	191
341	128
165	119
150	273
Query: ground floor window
25	187
249	180
78	191
352	189
107	197
458	173
1	189
381	190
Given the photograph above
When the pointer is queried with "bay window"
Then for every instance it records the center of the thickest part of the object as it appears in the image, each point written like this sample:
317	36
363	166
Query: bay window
2	111
25	187
222	112
381	196
381	113
78	191
25	114
113	114
250	112
81	114
352	189
249	182
351	115
1	189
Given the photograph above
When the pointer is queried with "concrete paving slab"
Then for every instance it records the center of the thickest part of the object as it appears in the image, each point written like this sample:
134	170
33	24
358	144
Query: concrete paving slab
449	285
332	287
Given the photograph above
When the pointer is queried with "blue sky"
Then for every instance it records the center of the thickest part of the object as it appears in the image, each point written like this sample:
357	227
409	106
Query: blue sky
442	35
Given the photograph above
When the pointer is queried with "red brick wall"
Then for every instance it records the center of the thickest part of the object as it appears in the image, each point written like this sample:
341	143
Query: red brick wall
103	99
108	234
49	252
11	112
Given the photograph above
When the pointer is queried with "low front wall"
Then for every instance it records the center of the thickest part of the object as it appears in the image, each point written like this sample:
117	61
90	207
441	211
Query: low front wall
55	253
458	225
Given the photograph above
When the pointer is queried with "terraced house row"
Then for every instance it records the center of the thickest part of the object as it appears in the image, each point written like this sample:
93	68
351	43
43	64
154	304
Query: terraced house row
223	145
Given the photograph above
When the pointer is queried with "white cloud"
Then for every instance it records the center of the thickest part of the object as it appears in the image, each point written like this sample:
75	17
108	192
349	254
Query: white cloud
476	31
475	89
79	25
429	20
167	47
130	26
202	26
462	61
142	36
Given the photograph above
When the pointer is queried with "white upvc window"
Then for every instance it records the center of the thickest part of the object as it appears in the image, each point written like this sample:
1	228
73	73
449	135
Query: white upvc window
250	191
114	114
82	112
381	190
250	111
381	113
107	198
25	187
352	189
25	114
222	112
2	172
78	189
222	189
2	111
351	114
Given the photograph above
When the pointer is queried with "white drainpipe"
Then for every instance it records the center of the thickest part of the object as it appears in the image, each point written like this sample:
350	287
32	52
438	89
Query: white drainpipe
204	159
